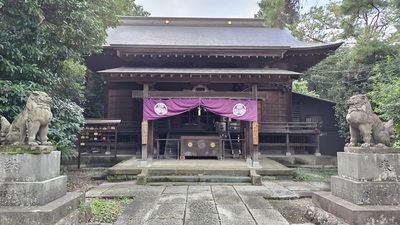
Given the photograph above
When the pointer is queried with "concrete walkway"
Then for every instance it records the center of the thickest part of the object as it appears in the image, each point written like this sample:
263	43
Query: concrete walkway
205	203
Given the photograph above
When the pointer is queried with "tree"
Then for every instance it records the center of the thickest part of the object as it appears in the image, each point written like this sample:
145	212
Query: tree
350	20
347	73
385	93
370	31
302	88
40	49
279	13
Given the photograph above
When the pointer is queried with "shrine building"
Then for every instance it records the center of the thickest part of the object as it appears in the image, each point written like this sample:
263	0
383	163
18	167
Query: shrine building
194	88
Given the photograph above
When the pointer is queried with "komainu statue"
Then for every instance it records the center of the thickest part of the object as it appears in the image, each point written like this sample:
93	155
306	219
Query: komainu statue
362	120
33	120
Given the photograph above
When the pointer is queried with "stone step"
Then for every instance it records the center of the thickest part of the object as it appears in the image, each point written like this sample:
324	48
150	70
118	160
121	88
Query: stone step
198	172
200	179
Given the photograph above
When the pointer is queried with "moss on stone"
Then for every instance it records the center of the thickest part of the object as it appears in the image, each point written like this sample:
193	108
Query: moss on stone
22	149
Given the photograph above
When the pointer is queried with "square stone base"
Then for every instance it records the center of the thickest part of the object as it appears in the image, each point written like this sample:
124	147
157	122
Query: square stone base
356	214
29	167
32	193
366	193
369	164
48	214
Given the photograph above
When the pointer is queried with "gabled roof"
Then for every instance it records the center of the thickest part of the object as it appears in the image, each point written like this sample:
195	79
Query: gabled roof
313	97
167	32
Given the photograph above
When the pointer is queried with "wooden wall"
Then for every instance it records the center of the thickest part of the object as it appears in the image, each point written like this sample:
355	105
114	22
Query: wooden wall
276	108
121	105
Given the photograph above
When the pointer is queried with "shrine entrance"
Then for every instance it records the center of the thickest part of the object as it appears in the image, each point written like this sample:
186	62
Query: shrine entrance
199	128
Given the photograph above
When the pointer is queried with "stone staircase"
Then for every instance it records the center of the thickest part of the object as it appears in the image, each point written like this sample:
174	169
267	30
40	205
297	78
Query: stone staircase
155	176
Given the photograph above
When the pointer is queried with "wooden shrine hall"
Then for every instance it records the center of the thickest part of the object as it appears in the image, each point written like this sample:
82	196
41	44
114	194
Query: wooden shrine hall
191	88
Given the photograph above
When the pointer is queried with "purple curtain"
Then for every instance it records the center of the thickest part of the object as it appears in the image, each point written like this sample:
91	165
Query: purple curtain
245	110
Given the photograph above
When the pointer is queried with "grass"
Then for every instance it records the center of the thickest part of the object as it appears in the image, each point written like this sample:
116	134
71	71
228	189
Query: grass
108	210
320	174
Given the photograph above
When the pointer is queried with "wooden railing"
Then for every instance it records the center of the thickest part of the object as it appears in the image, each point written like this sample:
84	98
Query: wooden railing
290	129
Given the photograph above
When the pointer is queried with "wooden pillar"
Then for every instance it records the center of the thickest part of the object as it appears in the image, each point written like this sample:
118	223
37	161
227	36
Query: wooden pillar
255	141
254	127
145	126
249	142
106	98
317	153
288	144
150	140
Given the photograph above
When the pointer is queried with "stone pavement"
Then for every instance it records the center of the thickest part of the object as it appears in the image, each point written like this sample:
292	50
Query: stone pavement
205	203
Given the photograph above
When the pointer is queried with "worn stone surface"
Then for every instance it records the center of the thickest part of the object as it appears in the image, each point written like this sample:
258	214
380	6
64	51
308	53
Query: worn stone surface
32	193
202	218
371	150
200	206
47	214
357	214
141	179
366	193
268	216
138	212
205	204
369	166
168	211
29	167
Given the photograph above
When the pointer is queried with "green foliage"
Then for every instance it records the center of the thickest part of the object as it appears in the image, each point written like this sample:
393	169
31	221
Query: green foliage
41	46
108	210
319	24
385	93
346	73
365	20
94	92
279	13
320	175
302	88
348	20
65	126
13	96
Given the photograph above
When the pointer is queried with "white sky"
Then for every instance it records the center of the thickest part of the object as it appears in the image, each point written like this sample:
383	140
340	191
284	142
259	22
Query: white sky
210	8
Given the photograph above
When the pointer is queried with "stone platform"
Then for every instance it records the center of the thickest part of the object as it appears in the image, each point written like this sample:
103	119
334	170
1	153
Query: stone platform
49	213
357	214
32	191
367	190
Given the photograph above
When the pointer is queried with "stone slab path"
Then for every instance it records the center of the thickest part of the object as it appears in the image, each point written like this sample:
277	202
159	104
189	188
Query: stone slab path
206	203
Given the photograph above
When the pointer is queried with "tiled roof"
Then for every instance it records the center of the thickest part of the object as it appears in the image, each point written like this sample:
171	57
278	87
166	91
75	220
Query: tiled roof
204	32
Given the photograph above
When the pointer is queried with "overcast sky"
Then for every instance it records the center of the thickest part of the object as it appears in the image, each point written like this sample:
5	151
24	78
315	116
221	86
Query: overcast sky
209	8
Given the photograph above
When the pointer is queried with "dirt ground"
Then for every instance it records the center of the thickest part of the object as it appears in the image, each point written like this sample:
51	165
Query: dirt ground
85	179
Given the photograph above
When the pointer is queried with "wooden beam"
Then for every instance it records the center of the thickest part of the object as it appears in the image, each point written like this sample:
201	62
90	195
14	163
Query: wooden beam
255	79
199	94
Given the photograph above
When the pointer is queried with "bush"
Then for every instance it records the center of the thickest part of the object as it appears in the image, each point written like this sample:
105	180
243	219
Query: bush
66	125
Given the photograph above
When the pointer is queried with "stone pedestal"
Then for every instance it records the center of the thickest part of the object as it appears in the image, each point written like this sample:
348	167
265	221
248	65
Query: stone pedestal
32	190
367	188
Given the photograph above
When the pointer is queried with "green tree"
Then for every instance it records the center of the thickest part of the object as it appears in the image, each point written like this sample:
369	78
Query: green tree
279	13
41	45
385	93
347	73
350	20
302	88
368	28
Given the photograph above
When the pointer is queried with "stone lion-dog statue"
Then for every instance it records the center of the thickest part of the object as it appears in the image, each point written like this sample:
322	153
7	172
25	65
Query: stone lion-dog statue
362	120
33	120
